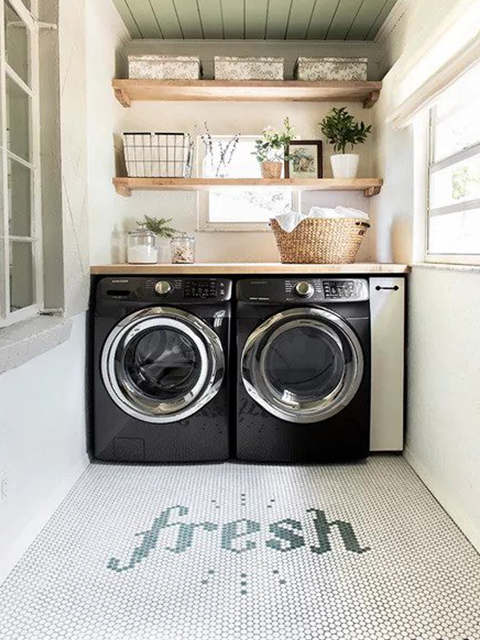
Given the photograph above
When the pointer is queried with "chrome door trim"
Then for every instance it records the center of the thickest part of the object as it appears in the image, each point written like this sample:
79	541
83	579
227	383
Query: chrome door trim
207	342
332	404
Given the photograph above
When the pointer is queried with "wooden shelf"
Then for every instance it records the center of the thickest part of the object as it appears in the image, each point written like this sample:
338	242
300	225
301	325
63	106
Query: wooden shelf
128	91
125	186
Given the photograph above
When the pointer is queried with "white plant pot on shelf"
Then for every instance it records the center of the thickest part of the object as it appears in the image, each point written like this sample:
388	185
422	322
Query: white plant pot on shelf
345	165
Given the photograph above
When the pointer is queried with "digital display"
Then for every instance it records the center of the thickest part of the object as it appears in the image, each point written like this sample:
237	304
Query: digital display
200	288
339	288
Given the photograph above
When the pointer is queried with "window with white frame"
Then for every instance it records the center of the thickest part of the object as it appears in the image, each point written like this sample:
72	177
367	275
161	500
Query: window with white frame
453	222
244	209
20	224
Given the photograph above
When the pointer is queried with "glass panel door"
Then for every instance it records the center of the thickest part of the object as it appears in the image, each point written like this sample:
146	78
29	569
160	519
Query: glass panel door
17	43
302	364
163	364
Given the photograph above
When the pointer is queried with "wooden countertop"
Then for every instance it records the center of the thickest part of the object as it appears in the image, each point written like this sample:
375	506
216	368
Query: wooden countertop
248	268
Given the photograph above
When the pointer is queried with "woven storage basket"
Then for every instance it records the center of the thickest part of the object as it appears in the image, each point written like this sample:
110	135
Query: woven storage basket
321	240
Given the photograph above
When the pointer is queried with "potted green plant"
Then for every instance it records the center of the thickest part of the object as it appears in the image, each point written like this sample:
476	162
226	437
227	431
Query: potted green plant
162	229
270	149
343	131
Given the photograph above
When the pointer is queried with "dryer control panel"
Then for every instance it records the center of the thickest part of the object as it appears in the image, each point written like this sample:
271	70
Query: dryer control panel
303	289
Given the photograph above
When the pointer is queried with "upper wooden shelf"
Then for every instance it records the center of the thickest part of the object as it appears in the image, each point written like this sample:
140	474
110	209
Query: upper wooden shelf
125	186
128	91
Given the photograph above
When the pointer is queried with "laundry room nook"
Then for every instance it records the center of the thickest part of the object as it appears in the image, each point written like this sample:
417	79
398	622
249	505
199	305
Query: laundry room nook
239	336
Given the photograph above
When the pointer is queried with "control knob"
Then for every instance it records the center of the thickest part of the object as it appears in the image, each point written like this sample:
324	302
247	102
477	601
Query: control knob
163	287
304	289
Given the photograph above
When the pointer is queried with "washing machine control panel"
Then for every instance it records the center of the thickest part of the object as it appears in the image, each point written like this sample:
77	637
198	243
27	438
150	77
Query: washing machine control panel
164	289
303	289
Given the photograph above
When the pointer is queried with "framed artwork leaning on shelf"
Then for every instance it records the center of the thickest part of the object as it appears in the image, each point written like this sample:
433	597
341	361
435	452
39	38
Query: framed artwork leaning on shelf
305	159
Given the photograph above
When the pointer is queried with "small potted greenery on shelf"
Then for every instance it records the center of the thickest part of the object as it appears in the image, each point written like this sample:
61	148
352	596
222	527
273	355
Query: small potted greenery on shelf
342	131
270	150
162	229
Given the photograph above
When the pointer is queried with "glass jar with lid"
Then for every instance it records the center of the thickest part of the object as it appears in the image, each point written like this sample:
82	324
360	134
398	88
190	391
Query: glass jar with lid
183	249
142	246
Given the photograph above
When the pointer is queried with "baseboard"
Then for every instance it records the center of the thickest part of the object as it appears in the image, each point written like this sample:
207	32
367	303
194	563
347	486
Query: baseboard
447	500
15	551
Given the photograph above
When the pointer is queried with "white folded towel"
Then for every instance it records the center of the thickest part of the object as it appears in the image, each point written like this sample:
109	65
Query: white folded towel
288	221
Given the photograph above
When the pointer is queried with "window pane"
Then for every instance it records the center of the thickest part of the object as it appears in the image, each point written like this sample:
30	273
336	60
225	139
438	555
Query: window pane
456	122
18	120
458	183
19	180
16	43
259	205
21	275
242	164
455	233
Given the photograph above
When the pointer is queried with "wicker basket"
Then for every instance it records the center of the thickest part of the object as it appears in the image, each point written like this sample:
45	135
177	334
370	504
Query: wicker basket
321	240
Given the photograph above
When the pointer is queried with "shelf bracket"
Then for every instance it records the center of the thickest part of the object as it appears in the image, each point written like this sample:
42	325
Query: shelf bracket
371	99
122	97
371	191
123	190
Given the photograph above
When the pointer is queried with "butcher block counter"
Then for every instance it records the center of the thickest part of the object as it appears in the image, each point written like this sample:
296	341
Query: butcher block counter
249	268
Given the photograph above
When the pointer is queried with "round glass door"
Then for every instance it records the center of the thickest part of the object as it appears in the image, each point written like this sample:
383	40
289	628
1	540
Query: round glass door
162	364
303	365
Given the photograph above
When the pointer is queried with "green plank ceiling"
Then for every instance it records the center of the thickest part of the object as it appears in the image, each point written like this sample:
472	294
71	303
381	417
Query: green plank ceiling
255	19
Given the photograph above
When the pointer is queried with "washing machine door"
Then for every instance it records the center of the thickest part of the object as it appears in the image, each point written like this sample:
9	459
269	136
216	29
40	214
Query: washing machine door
162	364
303	365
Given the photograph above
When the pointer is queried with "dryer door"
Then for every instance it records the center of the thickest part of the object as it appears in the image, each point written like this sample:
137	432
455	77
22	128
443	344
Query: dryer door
303	365
162	364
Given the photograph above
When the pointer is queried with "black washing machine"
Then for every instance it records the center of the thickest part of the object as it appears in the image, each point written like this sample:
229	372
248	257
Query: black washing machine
303	369
160	369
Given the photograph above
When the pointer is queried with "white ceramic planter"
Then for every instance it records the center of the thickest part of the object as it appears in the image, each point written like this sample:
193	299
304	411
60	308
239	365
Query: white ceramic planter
345	165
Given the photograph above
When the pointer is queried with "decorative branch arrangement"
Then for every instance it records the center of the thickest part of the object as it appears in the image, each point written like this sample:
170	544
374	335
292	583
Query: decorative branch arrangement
159	226
218	153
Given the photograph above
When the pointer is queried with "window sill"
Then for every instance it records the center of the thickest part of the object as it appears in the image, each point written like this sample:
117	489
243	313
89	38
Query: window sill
26	340
445	266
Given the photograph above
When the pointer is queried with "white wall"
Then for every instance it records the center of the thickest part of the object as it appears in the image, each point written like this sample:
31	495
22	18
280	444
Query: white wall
42	440
392	211
223	118
107	37
73	117
443	442
443	436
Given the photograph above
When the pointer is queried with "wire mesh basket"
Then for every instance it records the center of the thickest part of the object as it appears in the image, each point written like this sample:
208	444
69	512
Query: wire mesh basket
158	155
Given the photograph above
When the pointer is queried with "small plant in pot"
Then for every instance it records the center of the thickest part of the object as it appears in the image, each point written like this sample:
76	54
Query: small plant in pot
162	229
343	132
270	149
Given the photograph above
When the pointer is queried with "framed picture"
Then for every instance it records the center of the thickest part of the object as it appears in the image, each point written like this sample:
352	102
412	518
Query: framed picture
307	160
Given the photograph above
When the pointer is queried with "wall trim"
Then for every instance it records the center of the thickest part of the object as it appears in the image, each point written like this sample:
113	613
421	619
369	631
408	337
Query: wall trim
447	500
14	553
446	266
23	341
391	21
